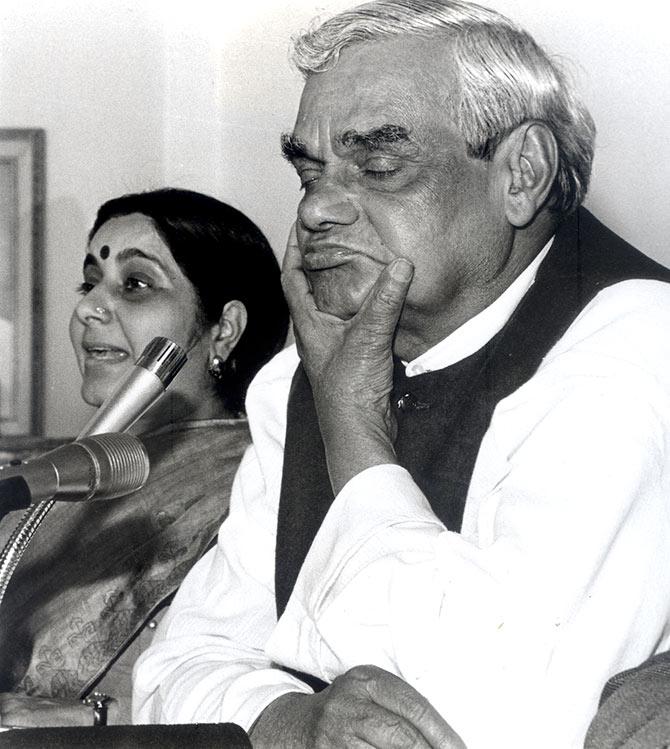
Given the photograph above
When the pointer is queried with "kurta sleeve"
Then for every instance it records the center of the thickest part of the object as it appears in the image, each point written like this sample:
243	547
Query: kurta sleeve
207	662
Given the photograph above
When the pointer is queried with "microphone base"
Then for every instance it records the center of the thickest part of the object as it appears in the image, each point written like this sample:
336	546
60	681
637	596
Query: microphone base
196	736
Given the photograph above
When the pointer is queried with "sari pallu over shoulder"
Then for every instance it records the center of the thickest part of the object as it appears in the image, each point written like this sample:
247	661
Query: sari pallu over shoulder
95	573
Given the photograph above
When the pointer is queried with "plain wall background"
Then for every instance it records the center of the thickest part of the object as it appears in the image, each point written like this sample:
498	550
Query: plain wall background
136	94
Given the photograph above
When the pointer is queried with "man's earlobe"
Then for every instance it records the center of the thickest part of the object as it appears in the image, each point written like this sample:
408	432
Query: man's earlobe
531	162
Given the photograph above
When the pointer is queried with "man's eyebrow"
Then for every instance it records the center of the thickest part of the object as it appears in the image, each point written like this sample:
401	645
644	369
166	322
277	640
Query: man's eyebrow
377	138
293	148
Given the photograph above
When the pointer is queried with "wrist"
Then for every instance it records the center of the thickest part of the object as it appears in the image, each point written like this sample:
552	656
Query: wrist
281	723
352	451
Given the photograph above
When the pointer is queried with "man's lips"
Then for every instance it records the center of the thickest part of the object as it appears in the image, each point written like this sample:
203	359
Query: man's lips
324	259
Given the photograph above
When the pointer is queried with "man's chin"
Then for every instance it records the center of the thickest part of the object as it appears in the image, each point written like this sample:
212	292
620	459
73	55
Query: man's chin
344	308
337	299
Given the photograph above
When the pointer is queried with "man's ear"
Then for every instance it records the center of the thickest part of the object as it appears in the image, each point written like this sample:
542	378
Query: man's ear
225	334
528	158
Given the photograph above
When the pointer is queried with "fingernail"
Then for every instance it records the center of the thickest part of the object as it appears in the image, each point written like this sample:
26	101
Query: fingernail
401	269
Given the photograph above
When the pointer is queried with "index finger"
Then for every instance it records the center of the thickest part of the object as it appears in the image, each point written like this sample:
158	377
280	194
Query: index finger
294	282
381	309
292	259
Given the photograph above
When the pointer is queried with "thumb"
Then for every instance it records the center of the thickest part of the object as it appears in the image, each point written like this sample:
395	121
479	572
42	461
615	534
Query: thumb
383	304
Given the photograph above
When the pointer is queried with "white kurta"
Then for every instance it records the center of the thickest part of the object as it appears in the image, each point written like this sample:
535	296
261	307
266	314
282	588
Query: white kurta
559	578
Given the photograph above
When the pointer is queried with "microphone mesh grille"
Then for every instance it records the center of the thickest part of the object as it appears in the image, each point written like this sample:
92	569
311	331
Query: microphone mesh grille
164	358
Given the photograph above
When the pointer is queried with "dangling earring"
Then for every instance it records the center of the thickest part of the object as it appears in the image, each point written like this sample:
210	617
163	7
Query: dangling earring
217	367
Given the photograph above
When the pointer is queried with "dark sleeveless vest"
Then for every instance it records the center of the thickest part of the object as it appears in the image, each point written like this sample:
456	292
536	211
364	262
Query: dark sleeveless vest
442	416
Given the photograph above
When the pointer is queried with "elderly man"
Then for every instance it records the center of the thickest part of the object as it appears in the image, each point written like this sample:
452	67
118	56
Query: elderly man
448	530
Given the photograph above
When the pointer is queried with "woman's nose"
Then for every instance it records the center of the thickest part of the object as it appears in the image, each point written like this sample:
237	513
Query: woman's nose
93	307
326	204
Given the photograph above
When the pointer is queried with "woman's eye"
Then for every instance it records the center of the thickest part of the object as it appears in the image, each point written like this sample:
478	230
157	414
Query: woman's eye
84	287
135	284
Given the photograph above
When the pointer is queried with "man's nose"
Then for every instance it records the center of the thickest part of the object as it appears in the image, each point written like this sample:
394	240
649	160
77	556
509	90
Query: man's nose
326	204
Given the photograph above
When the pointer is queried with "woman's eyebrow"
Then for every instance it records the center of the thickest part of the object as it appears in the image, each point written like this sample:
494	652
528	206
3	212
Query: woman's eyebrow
132	252
126	254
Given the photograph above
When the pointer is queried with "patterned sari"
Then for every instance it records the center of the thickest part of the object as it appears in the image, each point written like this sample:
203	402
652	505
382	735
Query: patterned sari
94	574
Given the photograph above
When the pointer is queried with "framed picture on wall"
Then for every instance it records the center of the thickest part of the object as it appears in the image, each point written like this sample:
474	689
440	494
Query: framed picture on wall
22	190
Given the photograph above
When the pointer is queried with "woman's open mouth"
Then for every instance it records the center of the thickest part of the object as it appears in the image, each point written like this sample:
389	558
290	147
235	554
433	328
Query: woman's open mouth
105	353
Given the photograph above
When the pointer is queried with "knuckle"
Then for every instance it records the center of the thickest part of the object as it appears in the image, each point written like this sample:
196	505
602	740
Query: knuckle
401	735
392	732
333	716
333	705
330	709
360	673
419	712
387	296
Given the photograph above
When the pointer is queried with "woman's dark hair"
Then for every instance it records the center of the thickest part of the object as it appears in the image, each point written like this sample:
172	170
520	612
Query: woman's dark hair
225	256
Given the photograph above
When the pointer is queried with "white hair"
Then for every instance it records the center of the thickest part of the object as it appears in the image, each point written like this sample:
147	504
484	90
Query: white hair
504	77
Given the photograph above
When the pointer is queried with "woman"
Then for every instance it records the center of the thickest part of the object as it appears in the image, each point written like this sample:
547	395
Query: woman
85	598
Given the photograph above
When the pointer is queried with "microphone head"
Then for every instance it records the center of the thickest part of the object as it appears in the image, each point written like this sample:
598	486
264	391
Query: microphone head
164	358
120	464
139	390
103	466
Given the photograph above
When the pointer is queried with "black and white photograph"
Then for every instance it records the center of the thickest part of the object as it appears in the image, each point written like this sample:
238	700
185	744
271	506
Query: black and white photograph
335	374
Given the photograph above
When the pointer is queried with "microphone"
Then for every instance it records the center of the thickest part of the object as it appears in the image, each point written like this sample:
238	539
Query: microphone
100	467
134	395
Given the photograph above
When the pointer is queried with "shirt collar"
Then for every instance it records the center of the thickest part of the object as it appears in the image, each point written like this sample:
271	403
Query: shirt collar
480	329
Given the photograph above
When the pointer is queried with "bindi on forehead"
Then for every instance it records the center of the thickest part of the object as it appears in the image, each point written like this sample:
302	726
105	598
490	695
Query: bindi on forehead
104	251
